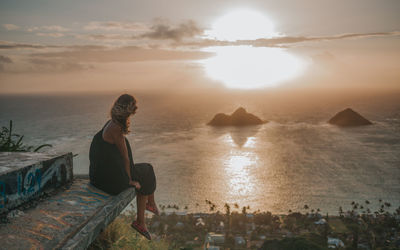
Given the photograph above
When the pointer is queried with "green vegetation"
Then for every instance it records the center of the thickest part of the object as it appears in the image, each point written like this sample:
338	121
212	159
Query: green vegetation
291	244
10	142
120	235
357	228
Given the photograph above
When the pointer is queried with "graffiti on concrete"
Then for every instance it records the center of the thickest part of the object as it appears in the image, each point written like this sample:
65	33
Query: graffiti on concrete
85	198
71	218
26	183
58	218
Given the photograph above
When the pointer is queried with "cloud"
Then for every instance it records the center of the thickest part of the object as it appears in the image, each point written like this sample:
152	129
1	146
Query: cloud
190	30
50	34
9	26
189	33
300	39
12	45
121	54
106	37
55	28
113	25
82	58
57	65
49	58
284	41
77	57
160	31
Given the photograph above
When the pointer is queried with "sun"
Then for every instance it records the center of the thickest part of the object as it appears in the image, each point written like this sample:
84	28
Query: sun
241	25
247	67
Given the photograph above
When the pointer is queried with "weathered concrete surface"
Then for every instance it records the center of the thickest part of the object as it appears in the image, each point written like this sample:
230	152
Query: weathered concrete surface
71	219
25	176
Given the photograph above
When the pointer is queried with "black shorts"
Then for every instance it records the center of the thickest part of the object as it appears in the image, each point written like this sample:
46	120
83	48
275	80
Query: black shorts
144	174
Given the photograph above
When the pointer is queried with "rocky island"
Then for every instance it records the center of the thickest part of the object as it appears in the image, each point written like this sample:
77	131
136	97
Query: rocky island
238	118
349	118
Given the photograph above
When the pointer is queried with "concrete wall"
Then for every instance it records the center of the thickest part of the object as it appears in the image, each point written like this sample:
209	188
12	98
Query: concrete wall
26	176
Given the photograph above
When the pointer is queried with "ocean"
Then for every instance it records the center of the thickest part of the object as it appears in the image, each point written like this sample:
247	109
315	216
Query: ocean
296	158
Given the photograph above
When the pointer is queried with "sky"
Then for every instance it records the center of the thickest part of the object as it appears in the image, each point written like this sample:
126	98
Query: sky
182	45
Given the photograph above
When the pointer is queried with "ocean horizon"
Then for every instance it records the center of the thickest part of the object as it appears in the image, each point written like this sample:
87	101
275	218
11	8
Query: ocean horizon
296	158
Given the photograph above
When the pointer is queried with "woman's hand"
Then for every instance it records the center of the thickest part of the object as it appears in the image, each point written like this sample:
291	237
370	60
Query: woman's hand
134	184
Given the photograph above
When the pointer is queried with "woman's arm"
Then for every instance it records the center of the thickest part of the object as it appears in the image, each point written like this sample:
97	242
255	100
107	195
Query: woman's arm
121	145
119	140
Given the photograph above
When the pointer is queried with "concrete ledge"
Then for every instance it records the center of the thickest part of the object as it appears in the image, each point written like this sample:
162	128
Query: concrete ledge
25	176
100	220
71	219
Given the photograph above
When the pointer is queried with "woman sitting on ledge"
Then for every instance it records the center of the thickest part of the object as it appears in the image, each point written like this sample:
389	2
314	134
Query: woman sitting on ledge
111	164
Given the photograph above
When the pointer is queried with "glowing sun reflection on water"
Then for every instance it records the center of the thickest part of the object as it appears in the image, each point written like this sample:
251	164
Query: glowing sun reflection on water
238	163
250	143
237	167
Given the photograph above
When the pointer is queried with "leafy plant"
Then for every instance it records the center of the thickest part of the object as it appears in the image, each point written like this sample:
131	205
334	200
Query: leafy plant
10	142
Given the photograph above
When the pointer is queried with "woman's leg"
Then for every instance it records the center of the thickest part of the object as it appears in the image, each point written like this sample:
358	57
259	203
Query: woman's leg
141	201
151	200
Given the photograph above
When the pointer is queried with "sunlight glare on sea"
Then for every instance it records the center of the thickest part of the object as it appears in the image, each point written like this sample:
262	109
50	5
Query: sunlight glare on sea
294	159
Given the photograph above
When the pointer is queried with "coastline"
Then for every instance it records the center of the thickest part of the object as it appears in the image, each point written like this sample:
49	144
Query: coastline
256	230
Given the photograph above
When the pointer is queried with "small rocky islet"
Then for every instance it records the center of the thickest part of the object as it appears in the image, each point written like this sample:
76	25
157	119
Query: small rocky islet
345	118
238	118
349	118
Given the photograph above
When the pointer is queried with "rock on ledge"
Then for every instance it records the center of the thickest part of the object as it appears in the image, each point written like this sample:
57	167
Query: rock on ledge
348	118
238	118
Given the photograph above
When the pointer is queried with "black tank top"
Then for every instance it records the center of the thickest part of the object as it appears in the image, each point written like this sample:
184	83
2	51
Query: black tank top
106	169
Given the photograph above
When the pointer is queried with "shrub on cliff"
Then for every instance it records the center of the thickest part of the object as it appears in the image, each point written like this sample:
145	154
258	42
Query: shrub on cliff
10	142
